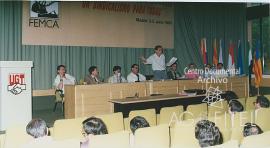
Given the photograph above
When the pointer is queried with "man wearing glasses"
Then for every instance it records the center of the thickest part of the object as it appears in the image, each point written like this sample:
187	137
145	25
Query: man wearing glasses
134	75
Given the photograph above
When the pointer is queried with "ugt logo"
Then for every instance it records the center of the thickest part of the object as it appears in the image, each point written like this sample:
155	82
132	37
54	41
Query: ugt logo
16	83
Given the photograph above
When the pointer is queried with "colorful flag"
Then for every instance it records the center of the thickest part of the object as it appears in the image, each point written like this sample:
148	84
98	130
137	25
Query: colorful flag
239	59
231	63
257	66
215	56
249	54
220	58
204	51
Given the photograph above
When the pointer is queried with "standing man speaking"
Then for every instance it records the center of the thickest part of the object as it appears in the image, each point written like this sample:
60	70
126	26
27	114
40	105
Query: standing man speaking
158	63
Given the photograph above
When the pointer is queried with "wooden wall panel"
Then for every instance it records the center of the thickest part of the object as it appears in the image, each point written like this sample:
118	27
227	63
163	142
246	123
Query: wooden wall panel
162	87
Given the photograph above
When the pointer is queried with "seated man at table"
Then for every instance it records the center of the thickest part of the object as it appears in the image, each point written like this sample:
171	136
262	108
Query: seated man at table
135	76
191	72
173	73
220	72
93	77
62	79
117	76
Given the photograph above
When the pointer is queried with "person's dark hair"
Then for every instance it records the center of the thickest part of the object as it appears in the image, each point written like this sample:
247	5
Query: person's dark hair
236	106
157	47
220	64
138	122
91	69
94	126
230	95
133	65
207	134
263	101
59	66
175	63
37	128
251	129
191	64
115	68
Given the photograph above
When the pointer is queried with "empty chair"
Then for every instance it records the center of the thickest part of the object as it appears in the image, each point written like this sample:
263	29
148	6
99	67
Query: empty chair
250	103
196	111
218	108
183	135
262	118
68	129
257	141
148	114
167	114
114	122
16	136
152	137
223	122
113	140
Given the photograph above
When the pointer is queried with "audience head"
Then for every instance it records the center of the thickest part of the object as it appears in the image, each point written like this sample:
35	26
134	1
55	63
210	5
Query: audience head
37	128
116	69
158	50
207	133
230	95
235	106
219	66
138	122
135	68
61	70
251	129
93	71
174	66
94	126
261	102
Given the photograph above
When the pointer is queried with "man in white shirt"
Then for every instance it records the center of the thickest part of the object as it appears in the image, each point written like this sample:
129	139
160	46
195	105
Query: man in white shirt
62	78
158	63
117	76
135	76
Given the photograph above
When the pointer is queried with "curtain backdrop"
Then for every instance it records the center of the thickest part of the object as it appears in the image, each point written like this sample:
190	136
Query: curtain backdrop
193	21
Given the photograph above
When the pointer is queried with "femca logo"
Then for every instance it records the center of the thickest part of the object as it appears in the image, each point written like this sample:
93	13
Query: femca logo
16	83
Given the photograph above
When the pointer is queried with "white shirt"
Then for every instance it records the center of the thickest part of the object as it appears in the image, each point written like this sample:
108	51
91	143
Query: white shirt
158	63
133	77
116	79
67	80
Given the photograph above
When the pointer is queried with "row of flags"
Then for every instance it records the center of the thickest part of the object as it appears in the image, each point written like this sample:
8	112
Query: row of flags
256	64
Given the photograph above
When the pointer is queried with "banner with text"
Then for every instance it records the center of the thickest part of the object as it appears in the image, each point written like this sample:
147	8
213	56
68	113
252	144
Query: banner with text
99	24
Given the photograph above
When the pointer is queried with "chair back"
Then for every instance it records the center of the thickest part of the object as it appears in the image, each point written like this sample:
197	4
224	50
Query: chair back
113	140
16	136
152	137
167	114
